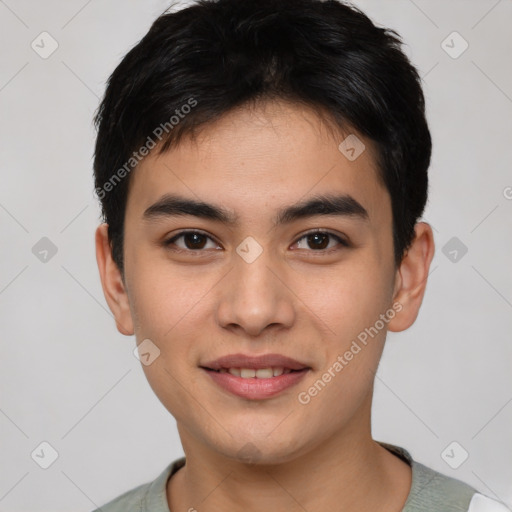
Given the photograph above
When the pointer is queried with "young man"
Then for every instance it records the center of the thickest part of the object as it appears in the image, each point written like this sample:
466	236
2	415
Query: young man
262	167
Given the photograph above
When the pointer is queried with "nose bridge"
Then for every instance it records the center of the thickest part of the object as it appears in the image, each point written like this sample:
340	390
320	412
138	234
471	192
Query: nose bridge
253	297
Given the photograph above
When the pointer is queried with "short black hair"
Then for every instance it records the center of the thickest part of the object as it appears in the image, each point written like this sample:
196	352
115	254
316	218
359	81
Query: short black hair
200	62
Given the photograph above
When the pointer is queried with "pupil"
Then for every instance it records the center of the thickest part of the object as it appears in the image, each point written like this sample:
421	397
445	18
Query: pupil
317	236
196	243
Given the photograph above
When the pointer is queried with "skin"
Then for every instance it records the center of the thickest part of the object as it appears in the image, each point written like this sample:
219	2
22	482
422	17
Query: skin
294	299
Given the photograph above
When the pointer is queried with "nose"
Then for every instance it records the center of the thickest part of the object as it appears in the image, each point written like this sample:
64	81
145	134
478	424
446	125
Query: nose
255	296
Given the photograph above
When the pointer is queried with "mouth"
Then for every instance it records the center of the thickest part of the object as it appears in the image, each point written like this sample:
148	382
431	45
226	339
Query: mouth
259	373
255	378
250	362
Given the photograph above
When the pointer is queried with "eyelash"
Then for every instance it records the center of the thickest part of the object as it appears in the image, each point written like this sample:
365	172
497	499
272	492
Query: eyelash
168	243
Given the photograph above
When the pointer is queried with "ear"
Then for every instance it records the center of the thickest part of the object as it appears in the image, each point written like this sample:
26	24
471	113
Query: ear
112	282
411	278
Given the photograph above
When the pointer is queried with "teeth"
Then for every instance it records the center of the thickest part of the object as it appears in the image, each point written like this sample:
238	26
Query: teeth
264	373
261	373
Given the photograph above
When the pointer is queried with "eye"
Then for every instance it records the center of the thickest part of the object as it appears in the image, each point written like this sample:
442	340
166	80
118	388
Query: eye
318	240
192	241
196	241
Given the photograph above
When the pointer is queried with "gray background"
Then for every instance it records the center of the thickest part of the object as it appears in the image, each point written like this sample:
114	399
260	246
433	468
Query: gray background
70	379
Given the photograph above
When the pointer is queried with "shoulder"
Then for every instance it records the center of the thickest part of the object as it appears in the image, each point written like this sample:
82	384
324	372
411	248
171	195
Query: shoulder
432	490
147	497
130	501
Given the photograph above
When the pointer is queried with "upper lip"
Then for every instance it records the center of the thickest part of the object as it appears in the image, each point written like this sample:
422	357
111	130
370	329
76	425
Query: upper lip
254	362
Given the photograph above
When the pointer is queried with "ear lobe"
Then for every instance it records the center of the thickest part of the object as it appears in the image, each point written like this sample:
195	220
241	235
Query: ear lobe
112	283
411	279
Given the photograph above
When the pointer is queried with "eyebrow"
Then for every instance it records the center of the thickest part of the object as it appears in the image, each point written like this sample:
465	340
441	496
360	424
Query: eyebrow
171	205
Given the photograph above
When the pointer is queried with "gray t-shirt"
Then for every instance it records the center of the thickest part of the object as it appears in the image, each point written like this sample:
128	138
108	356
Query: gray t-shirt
430	491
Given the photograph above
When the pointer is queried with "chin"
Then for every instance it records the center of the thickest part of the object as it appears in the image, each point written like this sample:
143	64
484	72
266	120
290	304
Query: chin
260	450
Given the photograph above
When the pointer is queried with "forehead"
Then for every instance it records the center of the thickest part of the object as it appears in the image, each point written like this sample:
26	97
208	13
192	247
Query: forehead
254	160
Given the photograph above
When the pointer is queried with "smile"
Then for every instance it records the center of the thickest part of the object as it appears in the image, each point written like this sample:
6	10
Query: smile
260	373
255	384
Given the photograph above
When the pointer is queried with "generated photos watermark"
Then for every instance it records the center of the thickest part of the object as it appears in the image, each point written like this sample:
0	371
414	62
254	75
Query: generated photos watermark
305	397
149	144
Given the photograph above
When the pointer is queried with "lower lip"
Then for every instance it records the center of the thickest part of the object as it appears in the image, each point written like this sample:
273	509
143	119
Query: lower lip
254	388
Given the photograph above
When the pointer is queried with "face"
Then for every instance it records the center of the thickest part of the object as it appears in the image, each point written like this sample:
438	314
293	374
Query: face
267	270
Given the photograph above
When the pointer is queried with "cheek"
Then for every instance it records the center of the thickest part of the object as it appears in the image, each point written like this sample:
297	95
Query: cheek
167	298
173	307
347	299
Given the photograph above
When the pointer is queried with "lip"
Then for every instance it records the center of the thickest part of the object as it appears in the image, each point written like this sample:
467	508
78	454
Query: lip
254	362
255	388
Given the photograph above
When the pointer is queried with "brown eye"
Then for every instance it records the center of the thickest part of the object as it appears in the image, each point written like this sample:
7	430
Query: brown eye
320	240
194	240
191	241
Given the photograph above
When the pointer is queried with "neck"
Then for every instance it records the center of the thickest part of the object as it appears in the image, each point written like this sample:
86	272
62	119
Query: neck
349	472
